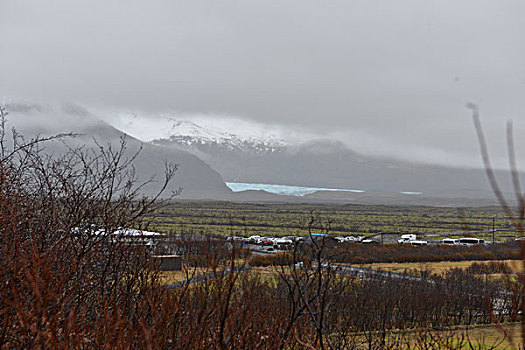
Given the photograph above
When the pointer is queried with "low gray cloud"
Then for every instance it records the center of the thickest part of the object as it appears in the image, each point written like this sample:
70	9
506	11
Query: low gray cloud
385	77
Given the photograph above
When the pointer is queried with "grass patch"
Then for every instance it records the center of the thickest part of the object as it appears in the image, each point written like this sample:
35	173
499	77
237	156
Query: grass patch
479	337
439	268
226	218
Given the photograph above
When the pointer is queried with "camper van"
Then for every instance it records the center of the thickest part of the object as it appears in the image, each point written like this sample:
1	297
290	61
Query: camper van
407	238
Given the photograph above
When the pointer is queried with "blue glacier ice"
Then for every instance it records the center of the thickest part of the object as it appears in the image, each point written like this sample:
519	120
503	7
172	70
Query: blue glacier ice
283	189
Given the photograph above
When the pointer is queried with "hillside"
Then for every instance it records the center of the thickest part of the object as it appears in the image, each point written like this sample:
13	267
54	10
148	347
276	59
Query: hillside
321	163
197	179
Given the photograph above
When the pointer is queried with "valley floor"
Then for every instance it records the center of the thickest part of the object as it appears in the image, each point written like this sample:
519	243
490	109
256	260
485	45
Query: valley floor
245	219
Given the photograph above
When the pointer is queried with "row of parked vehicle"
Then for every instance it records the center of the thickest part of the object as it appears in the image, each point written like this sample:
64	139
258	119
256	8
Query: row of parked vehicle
466	241
349	238
288	241
276	242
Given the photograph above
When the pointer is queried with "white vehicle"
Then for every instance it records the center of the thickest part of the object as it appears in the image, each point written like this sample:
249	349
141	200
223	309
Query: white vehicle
283	244
469	241
407	238
253	239
350	239
450	241
418	243
340	239
234	238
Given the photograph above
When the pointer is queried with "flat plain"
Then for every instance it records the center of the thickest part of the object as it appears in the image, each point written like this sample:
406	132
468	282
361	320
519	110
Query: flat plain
245	219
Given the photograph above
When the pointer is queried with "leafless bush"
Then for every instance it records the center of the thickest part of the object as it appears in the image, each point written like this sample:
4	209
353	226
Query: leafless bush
68	282
515	213
62	268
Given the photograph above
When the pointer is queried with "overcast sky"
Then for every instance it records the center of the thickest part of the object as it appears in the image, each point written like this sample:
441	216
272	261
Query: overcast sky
386	77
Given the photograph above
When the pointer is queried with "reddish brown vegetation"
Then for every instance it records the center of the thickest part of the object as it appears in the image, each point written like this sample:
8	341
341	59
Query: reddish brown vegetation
278	259
66	284
364	254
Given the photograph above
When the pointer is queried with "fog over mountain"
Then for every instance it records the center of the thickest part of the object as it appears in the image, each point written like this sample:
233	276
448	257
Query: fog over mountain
255	156
385	78
196	178
208	157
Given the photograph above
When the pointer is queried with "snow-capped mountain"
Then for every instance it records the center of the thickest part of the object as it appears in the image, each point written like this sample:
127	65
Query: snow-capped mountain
248	152
201	133
189	135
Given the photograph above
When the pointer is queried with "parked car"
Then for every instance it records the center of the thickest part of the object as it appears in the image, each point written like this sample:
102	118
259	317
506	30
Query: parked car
369	241
267	240
449	241
254	239
283	244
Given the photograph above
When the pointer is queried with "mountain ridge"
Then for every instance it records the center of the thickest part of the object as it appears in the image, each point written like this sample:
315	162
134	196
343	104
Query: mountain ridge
330	164
319	163
196	178
186	134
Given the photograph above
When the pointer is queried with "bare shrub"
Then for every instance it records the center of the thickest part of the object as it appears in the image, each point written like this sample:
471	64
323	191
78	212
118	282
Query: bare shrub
68	282
62	269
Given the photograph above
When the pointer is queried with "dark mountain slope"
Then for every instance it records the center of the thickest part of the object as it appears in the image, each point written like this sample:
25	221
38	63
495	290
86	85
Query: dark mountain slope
196	178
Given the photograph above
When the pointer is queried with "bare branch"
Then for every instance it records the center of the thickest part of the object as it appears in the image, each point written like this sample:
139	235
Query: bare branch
514	171
486	161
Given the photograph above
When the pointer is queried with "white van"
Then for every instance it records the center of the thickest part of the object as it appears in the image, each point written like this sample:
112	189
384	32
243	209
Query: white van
449	241
470	241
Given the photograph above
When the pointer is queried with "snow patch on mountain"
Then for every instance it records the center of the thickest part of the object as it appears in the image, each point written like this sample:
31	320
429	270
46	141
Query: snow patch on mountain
227	133
185	133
